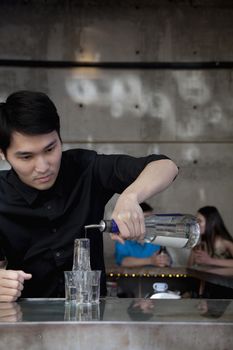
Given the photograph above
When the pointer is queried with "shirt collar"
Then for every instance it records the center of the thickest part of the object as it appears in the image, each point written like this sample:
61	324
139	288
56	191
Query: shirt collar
30	194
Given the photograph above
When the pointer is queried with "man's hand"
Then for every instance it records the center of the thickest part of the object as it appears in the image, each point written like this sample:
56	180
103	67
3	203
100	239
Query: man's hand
11	284
129	218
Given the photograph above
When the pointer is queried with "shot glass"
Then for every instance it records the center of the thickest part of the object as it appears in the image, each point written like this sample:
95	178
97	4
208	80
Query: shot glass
70	286
95	286
70	311
95	312
83	287
84	312
87	312
81	260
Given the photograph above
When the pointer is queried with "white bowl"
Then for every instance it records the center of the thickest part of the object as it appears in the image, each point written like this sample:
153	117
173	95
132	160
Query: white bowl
165	296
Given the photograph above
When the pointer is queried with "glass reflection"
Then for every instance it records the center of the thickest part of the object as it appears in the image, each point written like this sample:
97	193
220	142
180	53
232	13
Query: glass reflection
81	312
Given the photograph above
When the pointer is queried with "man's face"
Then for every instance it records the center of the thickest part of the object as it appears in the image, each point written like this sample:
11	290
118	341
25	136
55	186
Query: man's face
35	159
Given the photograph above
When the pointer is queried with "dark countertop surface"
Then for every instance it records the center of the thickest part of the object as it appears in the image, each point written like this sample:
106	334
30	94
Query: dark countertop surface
119	310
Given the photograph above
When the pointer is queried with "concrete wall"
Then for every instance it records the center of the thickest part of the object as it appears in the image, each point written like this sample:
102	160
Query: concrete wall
160	79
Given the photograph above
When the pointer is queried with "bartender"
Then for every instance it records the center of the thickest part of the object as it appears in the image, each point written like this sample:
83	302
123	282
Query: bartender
48	196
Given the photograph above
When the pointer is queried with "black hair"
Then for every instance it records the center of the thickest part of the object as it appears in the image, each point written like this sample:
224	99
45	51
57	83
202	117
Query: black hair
27	112
215	227
137	314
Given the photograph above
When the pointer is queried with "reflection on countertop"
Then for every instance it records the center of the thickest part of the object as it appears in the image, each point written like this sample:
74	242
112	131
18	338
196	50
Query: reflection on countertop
118	310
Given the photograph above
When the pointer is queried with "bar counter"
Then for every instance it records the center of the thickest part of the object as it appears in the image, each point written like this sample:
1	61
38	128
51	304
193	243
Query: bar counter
219	275
117	323
222	276
140	280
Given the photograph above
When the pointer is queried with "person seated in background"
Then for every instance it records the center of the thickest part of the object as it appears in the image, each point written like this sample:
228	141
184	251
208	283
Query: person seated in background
216	247
134	254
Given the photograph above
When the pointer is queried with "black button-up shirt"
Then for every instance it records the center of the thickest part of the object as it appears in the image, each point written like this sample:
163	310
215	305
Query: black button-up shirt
38	228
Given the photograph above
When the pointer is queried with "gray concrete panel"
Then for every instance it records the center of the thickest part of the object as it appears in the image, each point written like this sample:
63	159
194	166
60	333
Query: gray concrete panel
124	105
117	31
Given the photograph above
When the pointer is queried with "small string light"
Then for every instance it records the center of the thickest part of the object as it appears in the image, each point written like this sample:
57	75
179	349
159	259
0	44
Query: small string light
111	274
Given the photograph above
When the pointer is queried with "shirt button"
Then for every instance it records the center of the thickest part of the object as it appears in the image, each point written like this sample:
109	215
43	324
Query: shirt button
58	254
49	207
54	230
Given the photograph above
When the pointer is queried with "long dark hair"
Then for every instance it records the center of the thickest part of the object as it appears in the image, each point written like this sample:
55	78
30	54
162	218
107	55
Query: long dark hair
215	227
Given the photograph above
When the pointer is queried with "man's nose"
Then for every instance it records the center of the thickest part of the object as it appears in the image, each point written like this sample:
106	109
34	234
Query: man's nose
41	164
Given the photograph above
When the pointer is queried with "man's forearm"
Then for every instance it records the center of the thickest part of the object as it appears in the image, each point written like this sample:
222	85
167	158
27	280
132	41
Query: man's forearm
127	213
156	177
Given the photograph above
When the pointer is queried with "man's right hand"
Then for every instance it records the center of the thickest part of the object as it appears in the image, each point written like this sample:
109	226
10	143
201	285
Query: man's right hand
12	284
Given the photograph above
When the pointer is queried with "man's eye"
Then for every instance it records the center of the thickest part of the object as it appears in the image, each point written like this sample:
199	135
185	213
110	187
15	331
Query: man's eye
25	157
49	149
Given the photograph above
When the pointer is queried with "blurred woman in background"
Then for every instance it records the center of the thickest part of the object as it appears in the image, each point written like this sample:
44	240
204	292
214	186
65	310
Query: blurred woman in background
216	247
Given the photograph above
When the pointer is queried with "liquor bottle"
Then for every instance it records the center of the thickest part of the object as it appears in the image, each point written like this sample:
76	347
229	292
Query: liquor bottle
172	230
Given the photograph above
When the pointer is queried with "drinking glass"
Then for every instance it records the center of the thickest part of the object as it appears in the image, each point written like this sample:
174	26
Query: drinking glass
70	286
95	286
84	312
83	287
95	309
81	259
70	311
